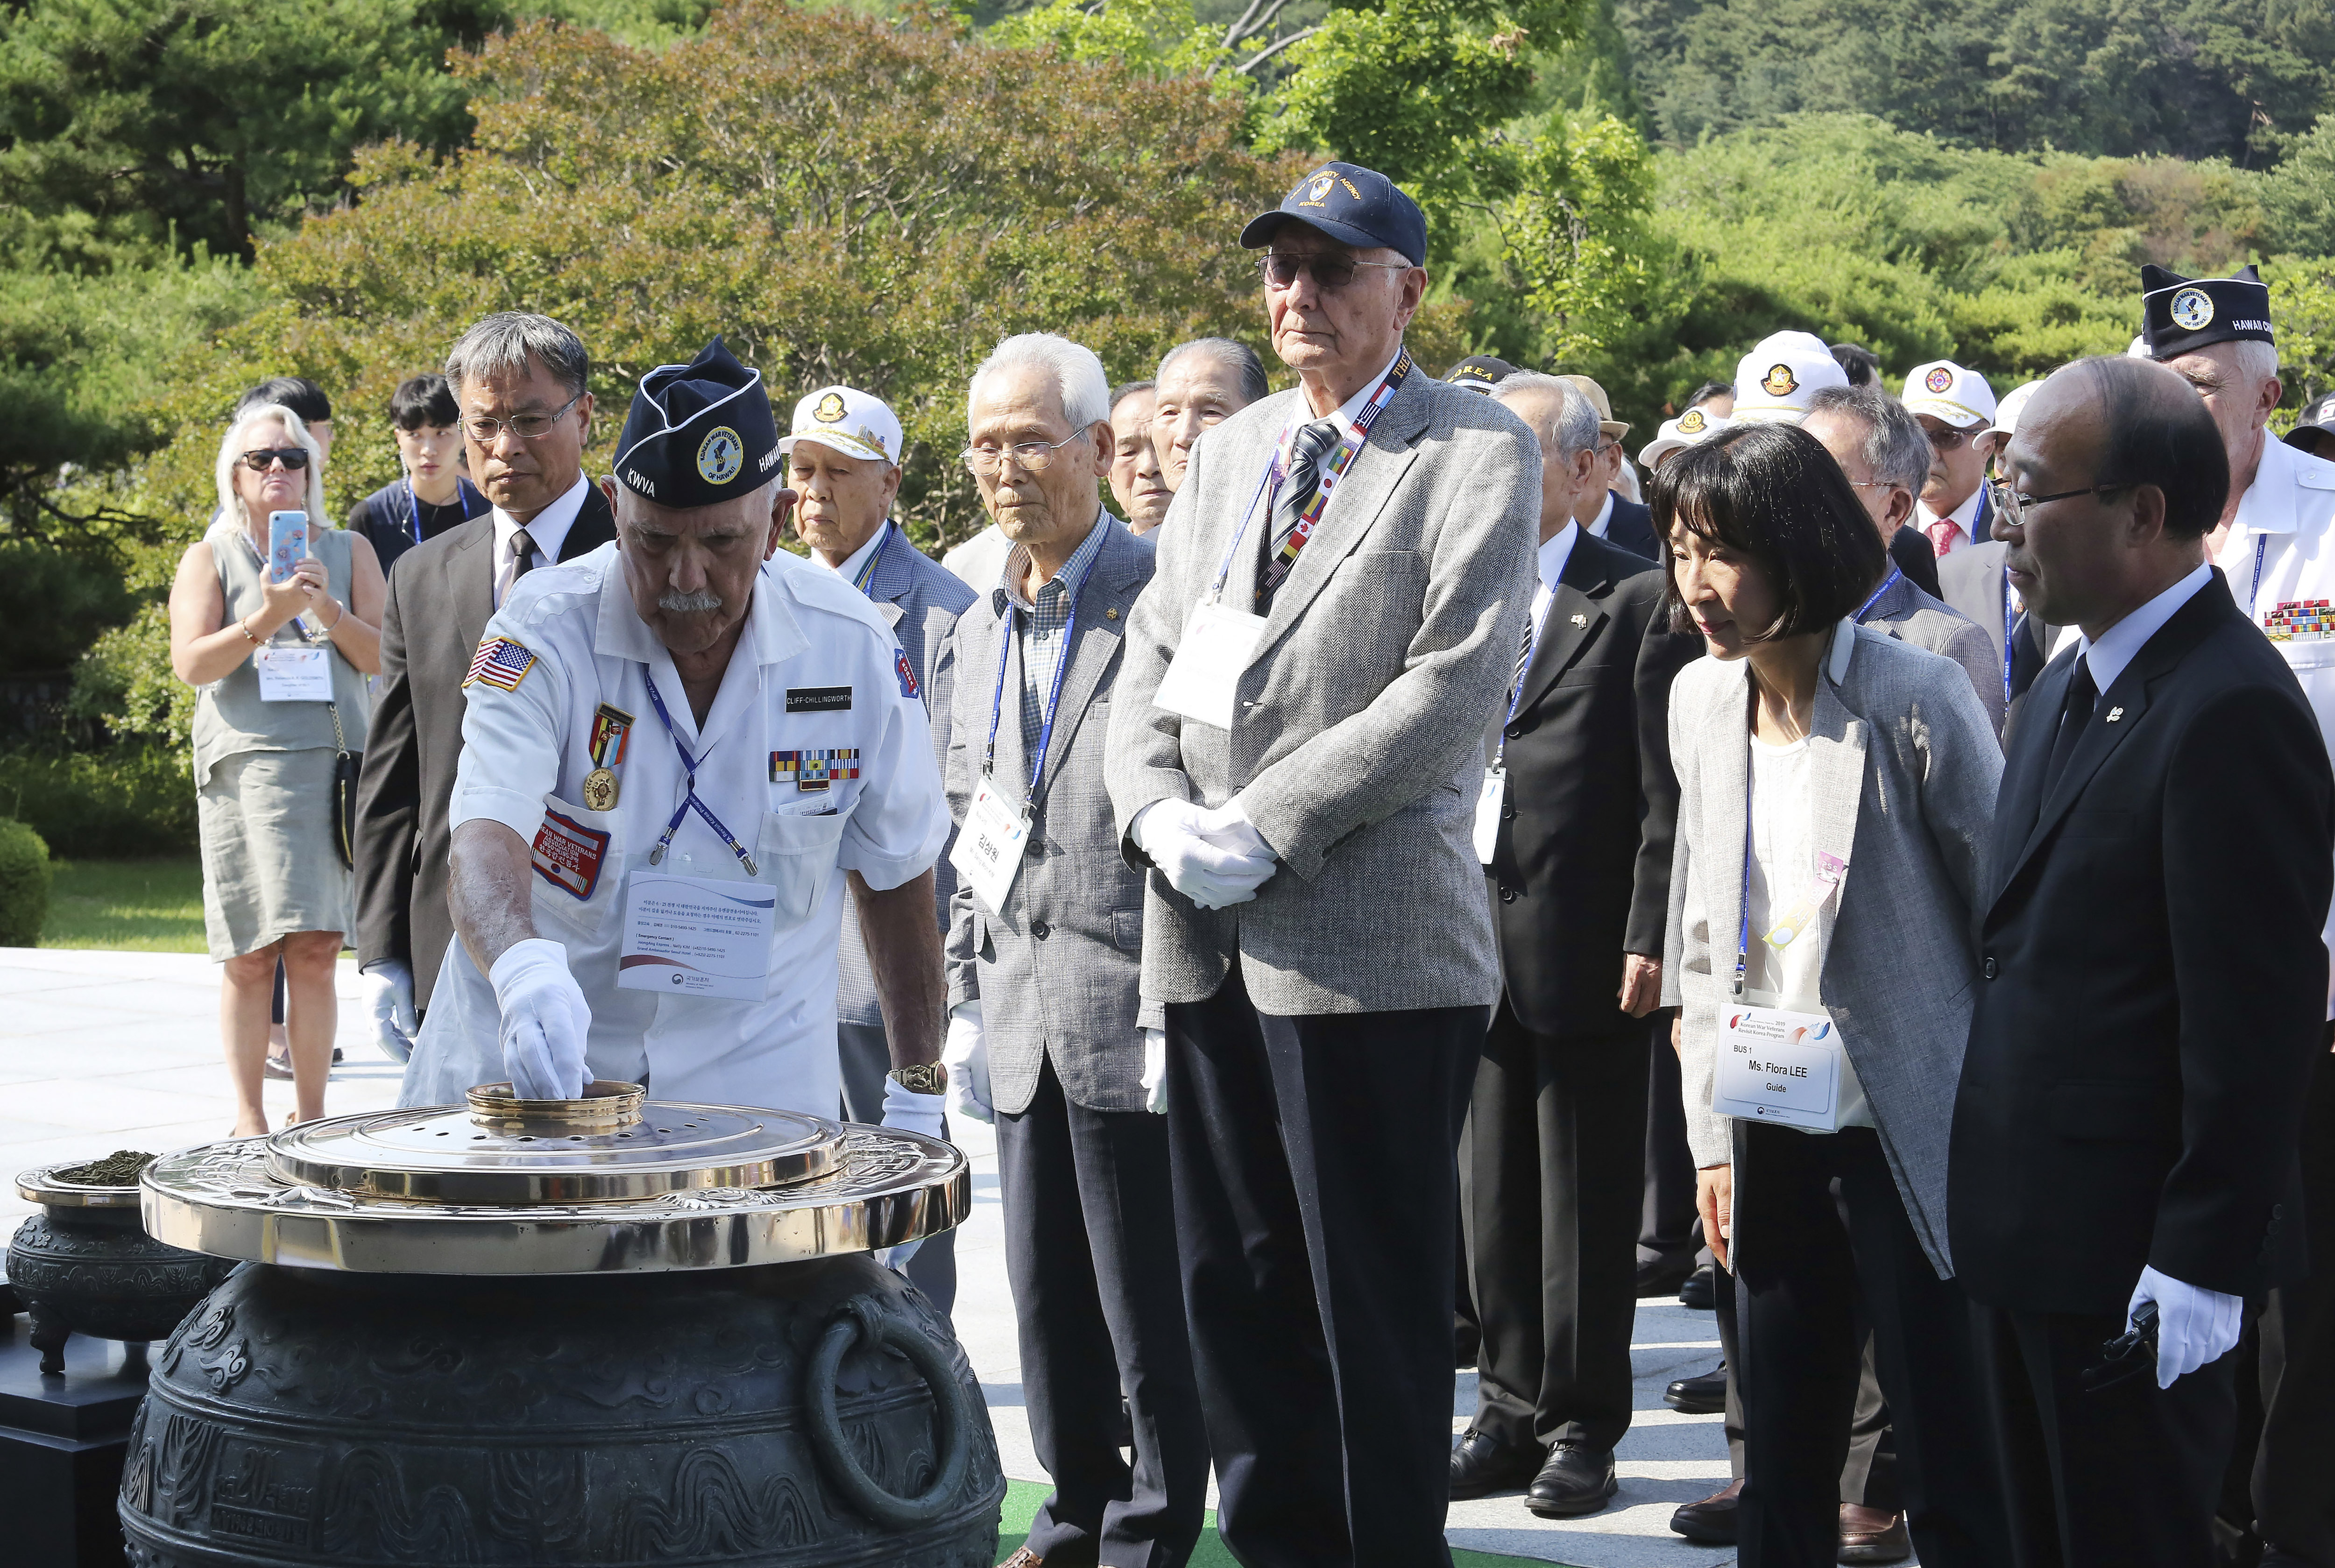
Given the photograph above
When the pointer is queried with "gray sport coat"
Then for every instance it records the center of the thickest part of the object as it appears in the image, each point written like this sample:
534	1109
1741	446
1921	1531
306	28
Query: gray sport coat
927	599
1057	970
1969	580
1905	773
1911	616
1356	745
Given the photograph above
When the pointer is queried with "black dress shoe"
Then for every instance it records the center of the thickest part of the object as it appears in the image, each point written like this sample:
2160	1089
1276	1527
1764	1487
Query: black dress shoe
1663	1275
1698	1293
1577	1480
1481	1464
1704	1394
1711	1521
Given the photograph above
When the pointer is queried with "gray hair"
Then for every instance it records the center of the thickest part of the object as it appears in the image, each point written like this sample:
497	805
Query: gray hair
2257	360
1572	429
1895	449
1241	358
230	455
510	342
1126	389
1079	378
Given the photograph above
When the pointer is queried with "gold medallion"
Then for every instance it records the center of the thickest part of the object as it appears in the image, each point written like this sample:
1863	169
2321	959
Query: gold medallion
600	790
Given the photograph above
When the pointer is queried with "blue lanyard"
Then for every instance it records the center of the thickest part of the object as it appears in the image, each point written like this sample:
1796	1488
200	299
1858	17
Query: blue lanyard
875	558
1053	698
2010	634
1743	927
689	802
413	503
2261	546
1887	583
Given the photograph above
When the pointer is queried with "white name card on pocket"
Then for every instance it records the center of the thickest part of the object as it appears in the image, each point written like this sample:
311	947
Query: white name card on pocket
1203	681
694	936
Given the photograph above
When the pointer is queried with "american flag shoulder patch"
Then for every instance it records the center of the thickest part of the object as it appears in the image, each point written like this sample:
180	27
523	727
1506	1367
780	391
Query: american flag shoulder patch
907	677
500	662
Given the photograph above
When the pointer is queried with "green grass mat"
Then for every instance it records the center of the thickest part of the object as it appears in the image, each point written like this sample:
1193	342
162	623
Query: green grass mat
127	905
1022	1497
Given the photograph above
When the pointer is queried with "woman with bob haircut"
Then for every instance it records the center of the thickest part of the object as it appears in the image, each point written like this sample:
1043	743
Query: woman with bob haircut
1836	788
274	885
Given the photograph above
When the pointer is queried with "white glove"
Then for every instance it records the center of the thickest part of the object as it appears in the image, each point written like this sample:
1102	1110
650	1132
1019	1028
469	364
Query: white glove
544	1019
965	1054
2194	1325
1228	828
1155	1070
389	996
912	1112
1208	874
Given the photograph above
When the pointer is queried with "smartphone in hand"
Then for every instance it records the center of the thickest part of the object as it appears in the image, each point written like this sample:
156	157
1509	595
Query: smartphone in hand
288	544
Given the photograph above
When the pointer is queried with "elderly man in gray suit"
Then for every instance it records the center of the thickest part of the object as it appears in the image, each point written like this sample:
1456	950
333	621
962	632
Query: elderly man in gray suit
1295	761
1047	1032
843	459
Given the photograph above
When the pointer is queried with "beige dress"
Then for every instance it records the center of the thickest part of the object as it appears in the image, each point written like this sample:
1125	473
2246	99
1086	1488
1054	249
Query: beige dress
264	773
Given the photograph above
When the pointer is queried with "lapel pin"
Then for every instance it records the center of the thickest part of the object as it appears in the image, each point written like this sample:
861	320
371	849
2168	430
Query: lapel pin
2114	714
1580	620
1110	614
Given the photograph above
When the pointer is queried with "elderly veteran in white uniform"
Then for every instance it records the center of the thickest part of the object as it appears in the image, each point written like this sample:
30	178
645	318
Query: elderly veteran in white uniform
675	752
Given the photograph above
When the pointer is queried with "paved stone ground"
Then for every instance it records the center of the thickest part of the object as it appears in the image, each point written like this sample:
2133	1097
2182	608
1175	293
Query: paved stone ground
107	1050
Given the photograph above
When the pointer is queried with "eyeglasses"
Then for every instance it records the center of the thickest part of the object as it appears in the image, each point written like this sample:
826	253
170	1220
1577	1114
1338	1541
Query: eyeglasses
2014	506
527	427
1875	484
1946	437
292	458
1330	273
1033	456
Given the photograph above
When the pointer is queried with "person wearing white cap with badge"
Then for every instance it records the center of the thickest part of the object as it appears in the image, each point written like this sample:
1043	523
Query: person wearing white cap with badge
1774	382
843	460
675	752
1692	428
1956	407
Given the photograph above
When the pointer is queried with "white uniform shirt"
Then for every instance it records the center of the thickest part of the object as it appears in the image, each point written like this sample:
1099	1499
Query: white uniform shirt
2283	524
816	669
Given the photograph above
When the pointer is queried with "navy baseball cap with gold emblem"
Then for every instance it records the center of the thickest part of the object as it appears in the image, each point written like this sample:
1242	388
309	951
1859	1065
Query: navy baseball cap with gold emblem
698	433
2183	315
1479	372
1355	206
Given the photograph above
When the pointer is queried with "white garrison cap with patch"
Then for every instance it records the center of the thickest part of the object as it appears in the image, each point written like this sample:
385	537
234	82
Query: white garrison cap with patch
1945	390
856	424
1774	382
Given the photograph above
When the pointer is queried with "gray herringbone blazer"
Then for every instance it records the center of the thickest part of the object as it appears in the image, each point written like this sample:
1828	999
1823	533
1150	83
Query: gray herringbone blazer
1056	970
1911	616
1905	767
1355	746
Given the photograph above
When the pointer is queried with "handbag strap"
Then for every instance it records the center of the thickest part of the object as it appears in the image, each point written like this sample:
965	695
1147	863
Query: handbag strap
340	741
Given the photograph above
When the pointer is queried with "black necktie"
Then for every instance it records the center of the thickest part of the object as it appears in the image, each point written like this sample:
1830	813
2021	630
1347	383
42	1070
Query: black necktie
2082	698
1313	443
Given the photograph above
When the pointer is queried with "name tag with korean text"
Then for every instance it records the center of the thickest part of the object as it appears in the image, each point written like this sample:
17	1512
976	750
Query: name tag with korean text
990	844
294	675
1778	1065
1203	681
695	936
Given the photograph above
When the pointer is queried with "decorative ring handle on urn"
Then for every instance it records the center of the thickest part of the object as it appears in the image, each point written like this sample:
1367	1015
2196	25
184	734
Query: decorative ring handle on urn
862	1318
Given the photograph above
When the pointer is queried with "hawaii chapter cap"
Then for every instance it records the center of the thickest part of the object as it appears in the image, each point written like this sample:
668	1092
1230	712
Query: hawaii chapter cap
1945	390
1774	382
1352	205
698	433
2183	315
856	424
1690	428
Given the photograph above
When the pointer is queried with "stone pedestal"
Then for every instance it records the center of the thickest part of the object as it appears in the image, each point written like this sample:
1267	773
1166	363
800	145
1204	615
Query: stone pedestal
62	1441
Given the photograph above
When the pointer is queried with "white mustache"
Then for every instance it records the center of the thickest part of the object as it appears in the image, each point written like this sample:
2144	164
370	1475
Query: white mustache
680	604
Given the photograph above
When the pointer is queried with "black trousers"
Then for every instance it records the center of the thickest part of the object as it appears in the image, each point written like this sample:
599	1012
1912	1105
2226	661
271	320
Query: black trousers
1820	1229
1090	1254
1667	1226
1315	1189
865	1057
1552	1237
2126	1477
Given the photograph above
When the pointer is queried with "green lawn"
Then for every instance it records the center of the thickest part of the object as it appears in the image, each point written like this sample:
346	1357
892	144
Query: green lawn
136	906
1022	1497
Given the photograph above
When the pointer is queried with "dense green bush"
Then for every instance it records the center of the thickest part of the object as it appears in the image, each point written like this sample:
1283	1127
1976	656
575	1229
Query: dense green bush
24	874
132	800
54	603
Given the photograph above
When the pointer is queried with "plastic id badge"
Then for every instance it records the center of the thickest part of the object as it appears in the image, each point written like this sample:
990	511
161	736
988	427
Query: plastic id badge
694	937
1777	1065
989	846
1203	681
294	675
1488	812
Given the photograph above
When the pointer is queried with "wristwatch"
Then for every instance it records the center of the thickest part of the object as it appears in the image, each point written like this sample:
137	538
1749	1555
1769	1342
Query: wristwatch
924	1078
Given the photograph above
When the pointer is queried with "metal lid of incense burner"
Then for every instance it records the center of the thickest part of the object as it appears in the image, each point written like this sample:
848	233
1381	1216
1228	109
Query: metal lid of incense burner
613	1182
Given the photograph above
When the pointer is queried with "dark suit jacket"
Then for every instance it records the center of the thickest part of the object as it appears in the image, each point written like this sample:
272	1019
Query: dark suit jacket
1631	526
1971	581
1581	871
1910	550
2152	982
439	601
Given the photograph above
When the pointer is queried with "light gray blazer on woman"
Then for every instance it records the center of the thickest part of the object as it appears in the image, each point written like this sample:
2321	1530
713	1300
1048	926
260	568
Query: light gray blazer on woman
1904	771
1056	970
1356	745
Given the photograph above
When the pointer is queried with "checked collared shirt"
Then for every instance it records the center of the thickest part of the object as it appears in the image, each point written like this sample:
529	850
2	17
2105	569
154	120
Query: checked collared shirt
1038	626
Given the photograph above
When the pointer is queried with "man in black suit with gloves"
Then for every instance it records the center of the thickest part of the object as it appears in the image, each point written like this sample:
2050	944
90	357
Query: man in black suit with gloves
1579	860
2153	985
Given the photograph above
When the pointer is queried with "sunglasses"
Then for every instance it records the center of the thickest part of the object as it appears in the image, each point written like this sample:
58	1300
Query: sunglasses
2127	1355
1330	273
292	458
